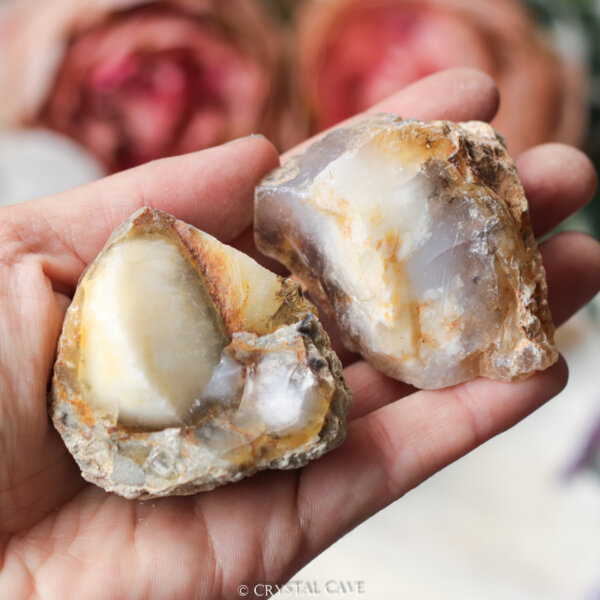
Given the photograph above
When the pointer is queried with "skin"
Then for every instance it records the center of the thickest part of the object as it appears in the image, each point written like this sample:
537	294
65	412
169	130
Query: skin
63	538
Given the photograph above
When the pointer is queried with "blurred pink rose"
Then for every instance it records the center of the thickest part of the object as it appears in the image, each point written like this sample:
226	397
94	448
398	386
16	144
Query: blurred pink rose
354	53
134	80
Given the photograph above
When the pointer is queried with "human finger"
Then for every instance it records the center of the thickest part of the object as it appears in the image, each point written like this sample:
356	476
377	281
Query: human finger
393	449
461	94
558	181
211	189
572	262
372	389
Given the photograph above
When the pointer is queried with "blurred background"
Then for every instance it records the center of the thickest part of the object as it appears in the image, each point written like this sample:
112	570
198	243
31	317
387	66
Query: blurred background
90	88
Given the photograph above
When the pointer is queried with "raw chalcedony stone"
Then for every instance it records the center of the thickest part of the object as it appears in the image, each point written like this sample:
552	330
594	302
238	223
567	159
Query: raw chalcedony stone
415	237
183	365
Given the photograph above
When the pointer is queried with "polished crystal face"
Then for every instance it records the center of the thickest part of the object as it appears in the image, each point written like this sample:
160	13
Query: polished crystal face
415	238
183	364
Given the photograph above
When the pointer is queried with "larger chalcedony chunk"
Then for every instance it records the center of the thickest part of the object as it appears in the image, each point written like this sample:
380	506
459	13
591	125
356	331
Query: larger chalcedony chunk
183	364
415	237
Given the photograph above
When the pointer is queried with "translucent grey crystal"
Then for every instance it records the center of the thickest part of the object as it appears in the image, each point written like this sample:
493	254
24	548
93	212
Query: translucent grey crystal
415	238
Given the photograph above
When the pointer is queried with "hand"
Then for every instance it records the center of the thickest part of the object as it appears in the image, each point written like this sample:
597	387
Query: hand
61	537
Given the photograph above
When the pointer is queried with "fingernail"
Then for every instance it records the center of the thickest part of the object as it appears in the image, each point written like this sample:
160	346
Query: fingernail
246	137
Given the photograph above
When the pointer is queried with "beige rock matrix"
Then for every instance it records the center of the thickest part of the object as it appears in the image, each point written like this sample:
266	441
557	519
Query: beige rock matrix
183	365
415	237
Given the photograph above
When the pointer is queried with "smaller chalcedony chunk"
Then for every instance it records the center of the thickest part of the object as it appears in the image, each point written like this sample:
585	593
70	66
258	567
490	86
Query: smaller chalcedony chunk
183	364
415	237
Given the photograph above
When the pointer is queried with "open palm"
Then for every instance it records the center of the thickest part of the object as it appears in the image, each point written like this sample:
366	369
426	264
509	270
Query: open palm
63	538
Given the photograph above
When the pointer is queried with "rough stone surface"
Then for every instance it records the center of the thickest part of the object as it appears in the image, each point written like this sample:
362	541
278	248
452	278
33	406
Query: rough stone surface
273	398
415	237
